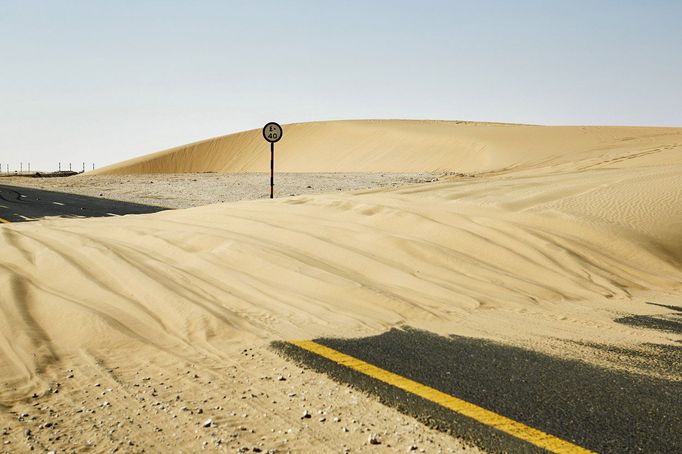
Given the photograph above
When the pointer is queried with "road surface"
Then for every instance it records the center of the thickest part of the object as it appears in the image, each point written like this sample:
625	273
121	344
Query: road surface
504	398
18	204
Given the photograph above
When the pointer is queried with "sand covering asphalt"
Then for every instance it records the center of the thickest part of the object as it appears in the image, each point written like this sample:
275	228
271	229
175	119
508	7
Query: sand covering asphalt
559	232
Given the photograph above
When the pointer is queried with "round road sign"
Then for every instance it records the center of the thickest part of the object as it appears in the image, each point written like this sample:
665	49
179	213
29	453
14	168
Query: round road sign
272	132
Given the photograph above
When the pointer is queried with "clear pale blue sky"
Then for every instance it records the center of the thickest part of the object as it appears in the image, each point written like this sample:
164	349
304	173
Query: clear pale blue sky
104	81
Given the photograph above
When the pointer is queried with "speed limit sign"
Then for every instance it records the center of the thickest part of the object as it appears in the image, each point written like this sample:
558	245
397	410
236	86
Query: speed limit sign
272	132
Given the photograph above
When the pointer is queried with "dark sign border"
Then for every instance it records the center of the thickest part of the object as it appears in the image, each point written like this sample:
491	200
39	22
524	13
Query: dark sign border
272	123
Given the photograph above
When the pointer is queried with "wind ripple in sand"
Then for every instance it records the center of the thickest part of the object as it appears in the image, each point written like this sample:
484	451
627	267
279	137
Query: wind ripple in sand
314	266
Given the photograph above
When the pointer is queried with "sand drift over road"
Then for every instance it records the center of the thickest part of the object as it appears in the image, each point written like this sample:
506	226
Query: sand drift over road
554	253
560	231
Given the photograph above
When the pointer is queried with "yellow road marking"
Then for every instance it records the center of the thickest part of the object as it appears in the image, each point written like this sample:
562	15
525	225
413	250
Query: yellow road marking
4	221
487	417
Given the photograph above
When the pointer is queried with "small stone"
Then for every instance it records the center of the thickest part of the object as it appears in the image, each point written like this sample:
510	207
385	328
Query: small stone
208	423
337	419
281	378
306	415
374	439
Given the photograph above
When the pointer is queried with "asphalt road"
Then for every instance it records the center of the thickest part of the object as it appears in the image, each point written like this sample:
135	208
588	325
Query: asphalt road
26	204
598	409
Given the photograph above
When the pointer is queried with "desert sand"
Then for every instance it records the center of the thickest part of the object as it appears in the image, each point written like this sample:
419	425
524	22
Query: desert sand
400	146
545	237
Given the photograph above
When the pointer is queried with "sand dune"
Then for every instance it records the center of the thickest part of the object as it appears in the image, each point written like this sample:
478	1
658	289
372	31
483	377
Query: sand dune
403	146
583	226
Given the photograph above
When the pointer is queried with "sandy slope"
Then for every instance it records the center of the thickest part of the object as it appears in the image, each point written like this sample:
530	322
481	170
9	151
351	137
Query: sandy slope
532	255
399	146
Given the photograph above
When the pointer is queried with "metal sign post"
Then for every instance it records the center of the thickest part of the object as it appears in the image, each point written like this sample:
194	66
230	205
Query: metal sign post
272	132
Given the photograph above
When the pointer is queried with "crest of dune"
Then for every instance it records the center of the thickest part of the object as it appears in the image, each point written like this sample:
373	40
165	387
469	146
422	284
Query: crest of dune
537	232
392	146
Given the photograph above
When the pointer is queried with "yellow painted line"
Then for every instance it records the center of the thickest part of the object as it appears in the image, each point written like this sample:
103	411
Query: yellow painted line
4	221
487	417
